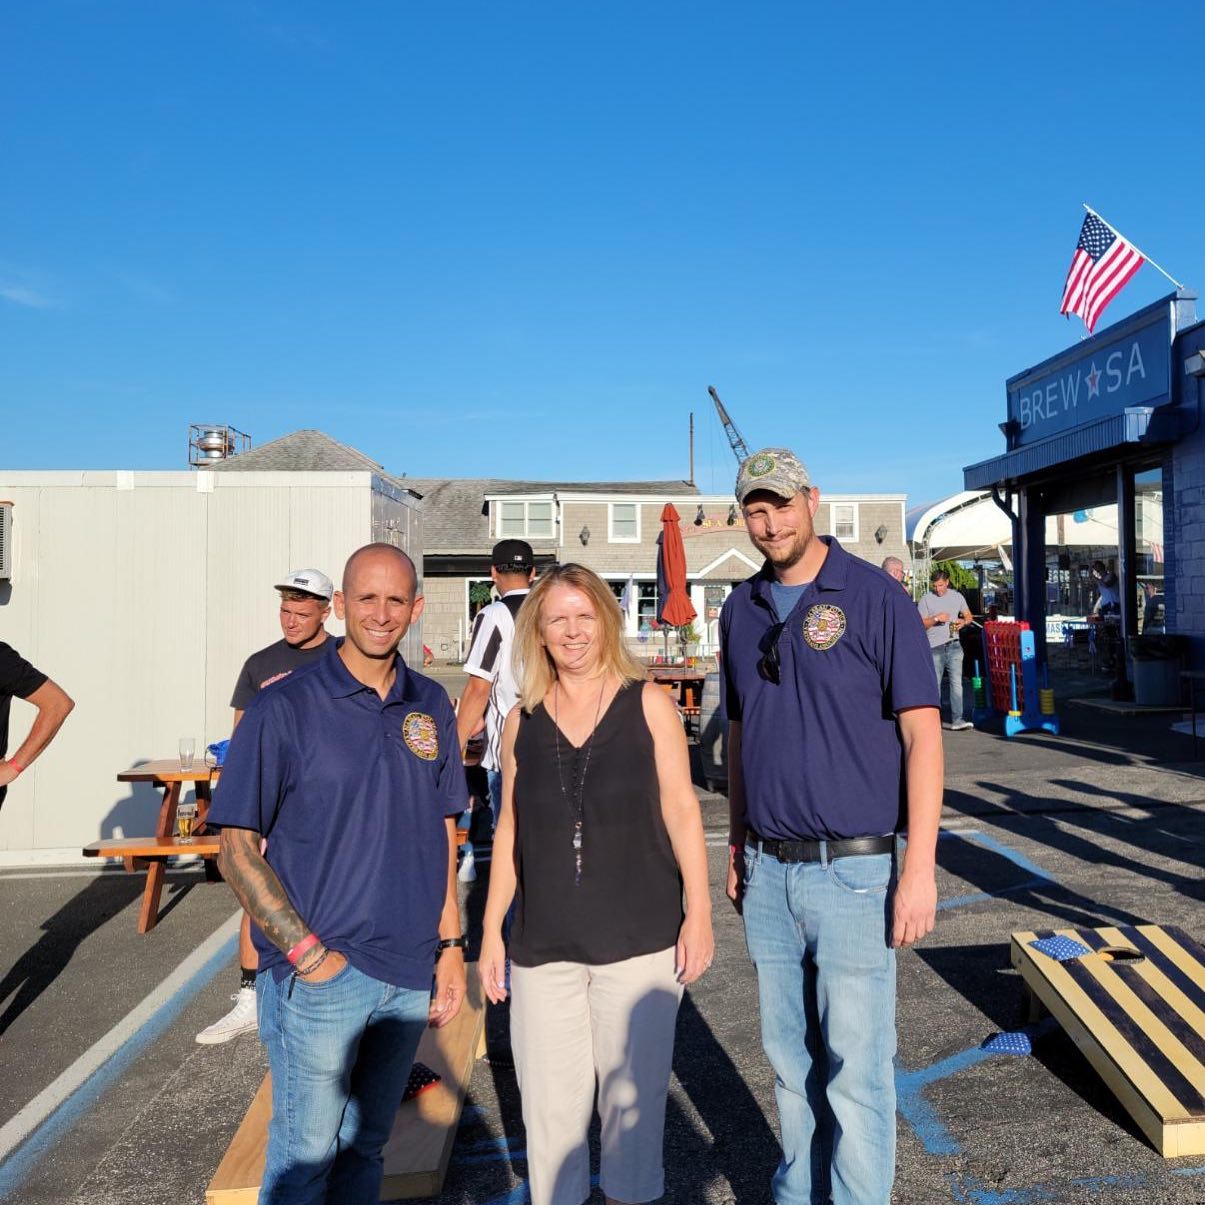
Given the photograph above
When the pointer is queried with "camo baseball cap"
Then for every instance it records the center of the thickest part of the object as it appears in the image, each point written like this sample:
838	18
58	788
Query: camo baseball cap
778	470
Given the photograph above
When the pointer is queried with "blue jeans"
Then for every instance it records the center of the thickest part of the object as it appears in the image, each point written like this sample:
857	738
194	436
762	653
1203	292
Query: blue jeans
340	1053
818	935
494	778
947	658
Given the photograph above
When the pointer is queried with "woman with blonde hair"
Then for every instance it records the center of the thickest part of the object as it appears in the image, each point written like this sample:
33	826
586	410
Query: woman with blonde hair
599	834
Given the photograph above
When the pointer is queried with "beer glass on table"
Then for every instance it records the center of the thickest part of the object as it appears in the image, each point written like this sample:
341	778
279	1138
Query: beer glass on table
186	819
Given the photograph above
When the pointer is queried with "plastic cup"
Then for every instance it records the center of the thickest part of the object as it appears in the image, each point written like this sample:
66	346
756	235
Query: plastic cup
188	750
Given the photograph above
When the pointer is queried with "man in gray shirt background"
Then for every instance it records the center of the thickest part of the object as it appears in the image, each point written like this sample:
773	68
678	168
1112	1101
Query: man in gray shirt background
943	611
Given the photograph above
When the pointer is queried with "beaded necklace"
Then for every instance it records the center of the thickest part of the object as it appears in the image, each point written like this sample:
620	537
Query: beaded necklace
575	793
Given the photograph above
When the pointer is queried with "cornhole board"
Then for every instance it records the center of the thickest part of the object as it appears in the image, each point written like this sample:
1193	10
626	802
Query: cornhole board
418	1150
1135	1007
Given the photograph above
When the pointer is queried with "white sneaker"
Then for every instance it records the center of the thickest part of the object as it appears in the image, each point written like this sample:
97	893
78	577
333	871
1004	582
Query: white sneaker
961	725
468	865
240	1019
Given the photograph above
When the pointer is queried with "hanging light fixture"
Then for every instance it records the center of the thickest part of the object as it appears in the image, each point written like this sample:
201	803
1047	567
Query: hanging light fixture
732	515
584	535
700	517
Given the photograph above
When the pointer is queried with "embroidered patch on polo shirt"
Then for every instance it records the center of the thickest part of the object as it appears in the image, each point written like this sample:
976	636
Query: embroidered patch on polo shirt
421	735
823	626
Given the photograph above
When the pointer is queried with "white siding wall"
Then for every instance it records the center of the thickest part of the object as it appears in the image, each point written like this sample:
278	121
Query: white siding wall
142	594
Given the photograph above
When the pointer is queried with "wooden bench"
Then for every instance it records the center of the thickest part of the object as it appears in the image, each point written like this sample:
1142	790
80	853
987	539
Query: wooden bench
1135	1008
420	1147
145	848
151	854
691	711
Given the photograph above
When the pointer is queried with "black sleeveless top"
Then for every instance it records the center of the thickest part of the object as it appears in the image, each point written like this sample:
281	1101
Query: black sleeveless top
629	900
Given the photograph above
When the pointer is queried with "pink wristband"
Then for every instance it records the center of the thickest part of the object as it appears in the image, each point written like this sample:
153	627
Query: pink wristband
302	948
12	761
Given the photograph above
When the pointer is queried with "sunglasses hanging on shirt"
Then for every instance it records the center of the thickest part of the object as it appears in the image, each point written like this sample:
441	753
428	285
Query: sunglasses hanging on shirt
770	666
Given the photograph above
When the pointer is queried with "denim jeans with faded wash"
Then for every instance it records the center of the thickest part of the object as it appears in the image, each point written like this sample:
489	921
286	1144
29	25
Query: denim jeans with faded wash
340	1053
947	659
818	934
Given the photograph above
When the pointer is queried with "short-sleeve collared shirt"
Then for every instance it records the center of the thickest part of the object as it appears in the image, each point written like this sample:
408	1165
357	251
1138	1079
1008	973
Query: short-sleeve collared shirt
490	658
821	757
351	793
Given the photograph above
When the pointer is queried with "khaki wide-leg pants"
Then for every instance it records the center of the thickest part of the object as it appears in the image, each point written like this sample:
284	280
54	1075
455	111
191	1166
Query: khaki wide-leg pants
573	1025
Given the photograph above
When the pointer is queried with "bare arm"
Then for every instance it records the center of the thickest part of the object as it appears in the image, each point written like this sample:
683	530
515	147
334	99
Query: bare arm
470	711
916	893
684	823
738	825
503	880
238	715
54	706
450	982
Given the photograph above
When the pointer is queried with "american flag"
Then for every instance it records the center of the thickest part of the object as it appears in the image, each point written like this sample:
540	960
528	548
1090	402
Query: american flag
1101	267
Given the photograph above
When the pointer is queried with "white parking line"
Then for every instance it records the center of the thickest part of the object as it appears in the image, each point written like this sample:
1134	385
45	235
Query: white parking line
128	1037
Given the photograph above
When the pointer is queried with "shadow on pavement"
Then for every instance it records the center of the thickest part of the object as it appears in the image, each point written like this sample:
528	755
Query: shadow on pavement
738	1142
1048	825
40	965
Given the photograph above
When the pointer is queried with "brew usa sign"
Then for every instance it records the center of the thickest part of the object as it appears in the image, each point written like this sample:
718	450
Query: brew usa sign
1125	366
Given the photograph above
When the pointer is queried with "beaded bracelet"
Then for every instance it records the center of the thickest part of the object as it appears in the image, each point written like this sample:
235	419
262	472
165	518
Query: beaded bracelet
303	972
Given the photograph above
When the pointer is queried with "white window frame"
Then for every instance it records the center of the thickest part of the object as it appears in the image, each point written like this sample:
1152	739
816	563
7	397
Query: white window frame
612	538
832	521
550	534
526	533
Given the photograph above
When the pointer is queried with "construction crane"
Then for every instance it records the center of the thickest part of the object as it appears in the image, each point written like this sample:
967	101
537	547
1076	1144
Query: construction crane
735	440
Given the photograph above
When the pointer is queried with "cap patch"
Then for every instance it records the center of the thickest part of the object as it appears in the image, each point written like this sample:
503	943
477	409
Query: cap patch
421	735
759	466
823	626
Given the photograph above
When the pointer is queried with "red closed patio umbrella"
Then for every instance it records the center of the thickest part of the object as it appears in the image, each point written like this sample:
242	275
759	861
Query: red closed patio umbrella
674	607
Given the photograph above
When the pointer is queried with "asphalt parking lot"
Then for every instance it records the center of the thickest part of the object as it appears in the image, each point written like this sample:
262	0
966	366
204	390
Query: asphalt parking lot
105	1098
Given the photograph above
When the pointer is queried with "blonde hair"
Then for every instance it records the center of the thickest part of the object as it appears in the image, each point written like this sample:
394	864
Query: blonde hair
534	668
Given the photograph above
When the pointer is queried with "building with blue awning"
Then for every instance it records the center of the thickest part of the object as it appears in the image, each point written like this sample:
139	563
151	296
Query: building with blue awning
1114	420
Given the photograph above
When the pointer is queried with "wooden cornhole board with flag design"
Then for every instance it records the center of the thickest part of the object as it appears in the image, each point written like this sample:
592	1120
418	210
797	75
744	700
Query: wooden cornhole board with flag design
1134	1005
420	1147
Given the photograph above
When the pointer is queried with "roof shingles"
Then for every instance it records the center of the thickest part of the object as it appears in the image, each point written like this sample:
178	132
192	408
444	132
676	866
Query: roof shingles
453	521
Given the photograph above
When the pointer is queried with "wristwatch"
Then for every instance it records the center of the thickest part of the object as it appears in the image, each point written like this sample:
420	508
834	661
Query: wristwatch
447	943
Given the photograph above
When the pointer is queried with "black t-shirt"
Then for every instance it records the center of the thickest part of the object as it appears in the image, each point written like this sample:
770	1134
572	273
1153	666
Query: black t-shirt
17	677
629	900
269	665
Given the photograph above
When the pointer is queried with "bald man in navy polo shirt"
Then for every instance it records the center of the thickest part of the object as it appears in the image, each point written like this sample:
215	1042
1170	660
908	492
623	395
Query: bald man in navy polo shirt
351	769
834	748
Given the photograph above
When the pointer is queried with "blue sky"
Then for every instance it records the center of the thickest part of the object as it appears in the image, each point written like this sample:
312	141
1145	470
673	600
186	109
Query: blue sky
522	239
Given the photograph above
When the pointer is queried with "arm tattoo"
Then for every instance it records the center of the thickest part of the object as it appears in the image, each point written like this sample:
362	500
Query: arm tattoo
258	889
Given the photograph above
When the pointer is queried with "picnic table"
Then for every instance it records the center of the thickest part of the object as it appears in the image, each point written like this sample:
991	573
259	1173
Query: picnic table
151	853
686	684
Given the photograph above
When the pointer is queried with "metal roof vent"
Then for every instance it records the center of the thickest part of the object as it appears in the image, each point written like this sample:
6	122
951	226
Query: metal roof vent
209	443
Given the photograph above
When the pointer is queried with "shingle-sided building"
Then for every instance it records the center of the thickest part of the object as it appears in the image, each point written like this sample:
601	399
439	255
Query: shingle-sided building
610	526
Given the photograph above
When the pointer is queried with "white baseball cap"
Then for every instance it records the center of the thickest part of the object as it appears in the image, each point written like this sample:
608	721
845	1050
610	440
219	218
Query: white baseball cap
310	581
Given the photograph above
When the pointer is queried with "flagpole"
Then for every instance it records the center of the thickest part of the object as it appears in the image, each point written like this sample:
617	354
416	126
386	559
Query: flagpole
1134	245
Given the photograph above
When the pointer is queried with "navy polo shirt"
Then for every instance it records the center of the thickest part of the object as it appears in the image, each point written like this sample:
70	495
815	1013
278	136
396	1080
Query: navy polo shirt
821	755
351	793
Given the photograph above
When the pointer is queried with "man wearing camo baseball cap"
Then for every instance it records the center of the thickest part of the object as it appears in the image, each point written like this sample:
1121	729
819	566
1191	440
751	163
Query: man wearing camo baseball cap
834	748
775	469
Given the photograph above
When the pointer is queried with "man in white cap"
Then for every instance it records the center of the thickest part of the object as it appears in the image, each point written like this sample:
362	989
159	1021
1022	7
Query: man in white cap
305	603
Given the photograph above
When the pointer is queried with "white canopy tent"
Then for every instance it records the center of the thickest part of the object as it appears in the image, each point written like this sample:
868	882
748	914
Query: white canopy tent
969	526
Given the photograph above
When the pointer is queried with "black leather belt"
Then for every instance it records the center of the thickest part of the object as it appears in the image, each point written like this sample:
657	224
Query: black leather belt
809	851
